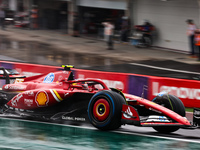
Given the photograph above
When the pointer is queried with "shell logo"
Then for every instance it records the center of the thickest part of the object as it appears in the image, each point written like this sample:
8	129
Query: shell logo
42	98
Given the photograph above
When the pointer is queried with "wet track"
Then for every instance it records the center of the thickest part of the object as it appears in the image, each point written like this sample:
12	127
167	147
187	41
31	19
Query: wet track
182	134
15	134
155	68
76	138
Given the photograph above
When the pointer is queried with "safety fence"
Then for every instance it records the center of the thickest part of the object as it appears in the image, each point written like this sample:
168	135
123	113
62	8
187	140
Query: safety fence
141	85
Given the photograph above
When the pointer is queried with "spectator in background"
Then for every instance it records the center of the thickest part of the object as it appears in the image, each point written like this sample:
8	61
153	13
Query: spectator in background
125	29
190	33
118	23
197	41
2	18
108	31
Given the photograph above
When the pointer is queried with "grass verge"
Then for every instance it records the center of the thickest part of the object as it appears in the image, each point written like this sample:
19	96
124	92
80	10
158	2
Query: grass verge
189	109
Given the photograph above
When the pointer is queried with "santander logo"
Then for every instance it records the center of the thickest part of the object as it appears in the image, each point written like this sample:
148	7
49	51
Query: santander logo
181	92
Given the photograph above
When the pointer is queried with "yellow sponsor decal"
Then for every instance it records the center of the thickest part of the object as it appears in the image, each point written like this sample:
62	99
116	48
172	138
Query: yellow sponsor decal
17	80
152	103
42	99
58	96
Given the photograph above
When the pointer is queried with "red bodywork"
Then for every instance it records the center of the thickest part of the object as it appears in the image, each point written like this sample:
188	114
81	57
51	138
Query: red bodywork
48	90
135	100
40	91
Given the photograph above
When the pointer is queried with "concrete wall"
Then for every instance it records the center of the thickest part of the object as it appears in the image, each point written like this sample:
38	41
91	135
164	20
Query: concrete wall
13	5
110	4
169	18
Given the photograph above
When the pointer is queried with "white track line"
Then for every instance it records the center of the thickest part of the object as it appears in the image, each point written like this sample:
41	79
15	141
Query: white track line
167	69
93	128
155	136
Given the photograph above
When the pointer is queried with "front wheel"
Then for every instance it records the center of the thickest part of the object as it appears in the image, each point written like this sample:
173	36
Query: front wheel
104	110
173	103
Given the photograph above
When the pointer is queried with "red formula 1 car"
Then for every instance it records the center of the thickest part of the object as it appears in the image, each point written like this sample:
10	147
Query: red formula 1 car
57	97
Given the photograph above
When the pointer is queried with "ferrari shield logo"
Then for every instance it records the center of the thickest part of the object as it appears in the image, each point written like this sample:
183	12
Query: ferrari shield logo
128	111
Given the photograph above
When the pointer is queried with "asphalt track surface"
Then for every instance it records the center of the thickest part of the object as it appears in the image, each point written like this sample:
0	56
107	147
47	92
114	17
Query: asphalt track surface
36	135
165	68
182	134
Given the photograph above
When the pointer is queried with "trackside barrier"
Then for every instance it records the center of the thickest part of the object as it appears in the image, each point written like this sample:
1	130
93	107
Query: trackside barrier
27	69
138	85
187	90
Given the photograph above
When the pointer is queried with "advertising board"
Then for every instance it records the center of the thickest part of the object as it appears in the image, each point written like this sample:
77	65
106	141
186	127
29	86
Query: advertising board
187	90
146	86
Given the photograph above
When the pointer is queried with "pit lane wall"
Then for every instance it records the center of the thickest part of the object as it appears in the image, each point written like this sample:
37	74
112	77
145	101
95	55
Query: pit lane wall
147	86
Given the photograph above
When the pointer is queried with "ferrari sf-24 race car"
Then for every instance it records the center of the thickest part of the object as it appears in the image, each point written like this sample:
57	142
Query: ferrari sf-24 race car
58	97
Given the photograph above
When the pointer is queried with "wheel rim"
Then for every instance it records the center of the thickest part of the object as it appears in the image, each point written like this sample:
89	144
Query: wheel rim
101	109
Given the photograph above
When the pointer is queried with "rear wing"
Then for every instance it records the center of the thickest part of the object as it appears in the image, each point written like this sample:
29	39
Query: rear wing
67	67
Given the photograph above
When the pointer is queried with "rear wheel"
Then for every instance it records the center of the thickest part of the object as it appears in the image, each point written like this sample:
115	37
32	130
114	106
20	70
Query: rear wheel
104	110
173	103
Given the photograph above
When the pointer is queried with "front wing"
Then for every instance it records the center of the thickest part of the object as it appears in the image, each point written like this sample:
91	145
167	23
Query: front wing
131	116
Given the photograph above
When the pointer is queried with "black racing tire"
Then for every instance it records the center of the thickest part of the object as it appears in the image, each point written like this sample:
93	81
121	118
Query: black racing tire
173	103
105	109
